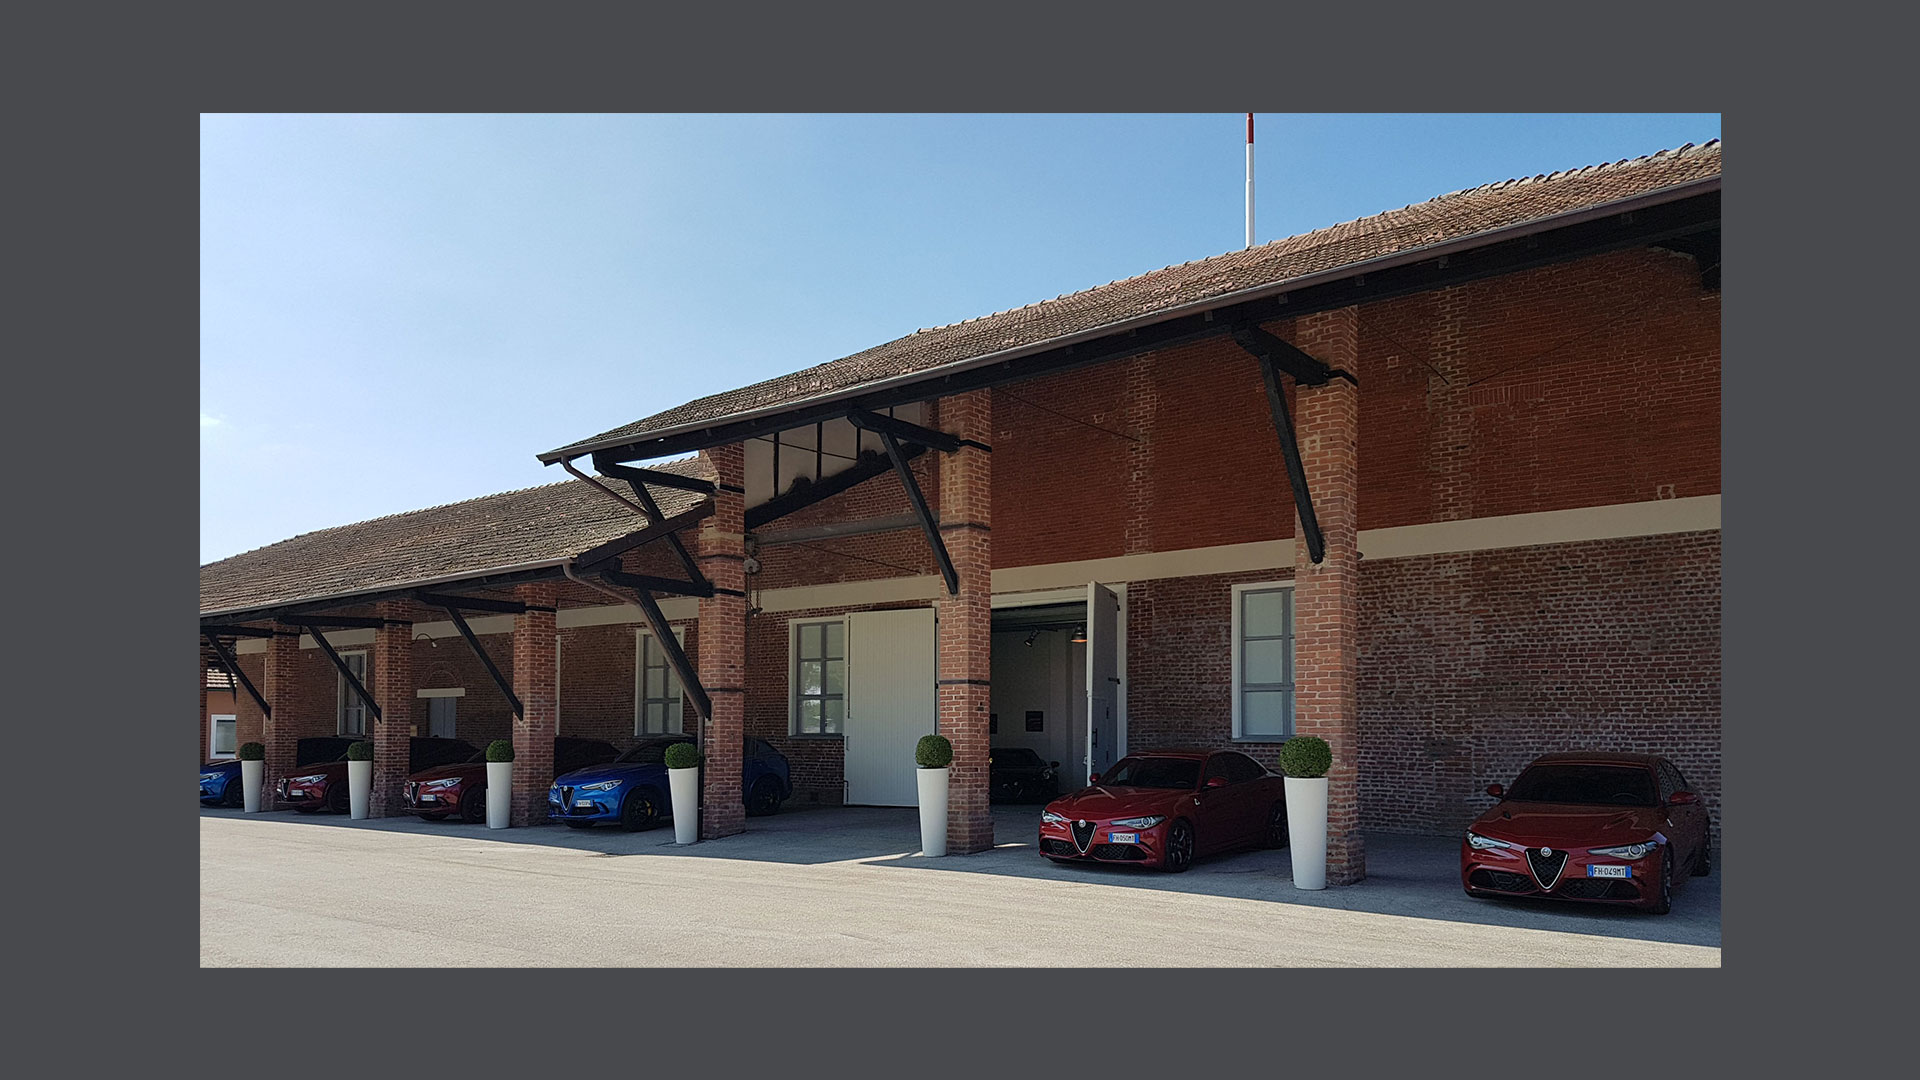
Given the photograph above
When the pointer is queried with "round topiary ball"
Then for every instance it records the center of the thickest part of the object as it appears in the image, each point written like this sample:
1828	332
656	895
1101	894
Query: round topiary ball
933	752
682	755
253	751
500	750
1305	757
360	751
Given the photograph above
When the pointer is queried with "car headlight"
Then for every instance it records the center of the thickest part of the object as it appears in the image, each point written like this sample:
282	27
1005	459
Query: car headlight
1146	822
1484	843
1052	818
209	776
441	784
1626	851
320	778
607	785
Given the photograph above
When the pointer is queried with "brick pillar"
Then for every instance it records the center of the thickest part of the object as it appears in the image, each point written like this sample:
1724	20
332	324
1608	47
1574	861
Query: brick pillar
278	730
722	659
966	620
393	689
534	683
206	726
1326	597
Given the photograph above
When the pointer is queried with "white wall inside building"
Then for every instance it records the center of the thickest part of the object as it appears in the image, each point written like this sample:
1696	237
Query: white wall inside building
1049	676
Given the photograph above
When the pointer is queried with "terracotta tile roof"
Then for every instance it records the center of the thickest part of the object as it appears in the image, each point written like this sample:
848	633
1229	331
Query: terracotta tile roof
490	534
1451	216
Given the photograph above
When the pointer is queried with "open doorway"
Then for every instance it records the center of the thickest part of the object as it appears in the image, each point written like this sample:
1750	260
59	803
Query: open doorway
1057	706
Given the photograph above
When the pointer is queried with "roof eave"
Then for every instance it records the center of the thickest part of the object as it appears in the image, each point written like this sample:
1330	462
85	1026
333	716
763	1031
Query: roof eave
363	595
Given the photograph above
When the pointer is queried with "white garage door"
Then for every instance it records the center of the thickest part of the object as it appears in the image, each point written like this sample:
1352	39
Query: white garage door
890	703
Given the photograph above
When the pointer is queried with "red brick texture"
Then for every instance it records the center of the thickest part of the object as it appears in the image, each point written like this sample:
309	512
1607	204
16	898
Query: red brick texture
1326	595
965	621
280	729
723	657
392	672
533	683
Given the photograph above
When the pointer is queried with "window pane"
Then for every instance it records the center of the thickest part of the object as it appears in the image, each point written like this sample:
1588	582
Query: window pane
672	710
836	715
1264	661
1266	614
836	640
836	677
223	735
810	636
810	716
1266	712
810	677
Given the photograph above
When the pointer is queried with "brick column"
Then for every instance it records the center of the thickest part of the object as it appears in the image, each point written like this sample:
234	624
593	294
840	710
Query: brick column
393	689
278	730
1327	597
206	733
966	620
534	684
722	659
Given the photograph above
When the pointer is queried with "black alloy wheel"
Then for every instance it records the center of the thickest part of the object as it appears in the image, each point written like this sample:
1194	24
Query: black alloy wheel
764	799
338	798
1703	862
235	795
1277	826
639	810
1665	903
473	806
1179	855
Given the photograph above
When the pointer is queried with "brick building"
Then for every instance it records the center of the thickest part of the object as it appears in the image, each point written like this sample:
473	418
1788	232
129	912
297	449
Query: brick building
1440	485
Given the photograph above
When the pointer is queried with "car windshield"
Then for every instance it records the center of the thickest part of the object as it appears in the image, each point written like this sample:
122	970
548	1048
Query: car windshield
1602	785
478	757
1018	755
651	752
1153	772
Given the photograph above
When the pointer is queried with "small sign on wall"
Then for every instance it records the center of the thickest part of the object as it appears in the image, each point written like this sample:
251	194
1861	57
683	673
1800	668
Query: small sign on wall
1036	720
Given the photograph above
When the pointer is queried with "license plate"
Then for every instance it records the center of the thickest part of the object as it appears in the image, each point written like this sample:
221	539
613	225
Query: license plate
1610	871
1123	837
429	798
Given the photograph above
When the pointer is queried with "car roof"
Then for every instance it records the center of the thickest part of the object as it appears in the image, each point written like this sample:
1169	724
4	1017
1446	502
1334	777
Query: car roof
1178	752
1596	757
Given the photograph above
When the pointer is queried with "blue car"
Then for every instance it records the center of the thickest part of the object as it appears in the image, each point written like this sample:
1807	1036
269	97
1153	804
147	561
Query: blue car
632	788
220	783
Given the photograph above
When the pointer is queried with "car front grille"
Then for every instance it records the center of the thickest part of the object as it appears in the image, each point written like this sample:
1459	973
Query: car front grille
566	798
413	793
1598	889
1082	834
1500	881
1121	852
1546	868
1050	846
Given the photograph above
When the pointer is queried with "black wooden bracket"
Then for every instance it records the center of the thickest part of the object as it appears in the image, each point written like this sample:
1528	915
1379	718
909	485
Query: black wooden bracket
648	535
1277	356
470	603
233	668
914	433
669	645
339	622
638	479
702	588
609	465
235	631
920	511
473	642
796	499
326	646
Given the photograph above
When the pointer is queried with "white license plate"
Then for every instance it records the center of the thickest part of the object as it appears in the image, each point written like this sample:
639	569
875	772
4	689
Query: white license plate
1610	871
1123	837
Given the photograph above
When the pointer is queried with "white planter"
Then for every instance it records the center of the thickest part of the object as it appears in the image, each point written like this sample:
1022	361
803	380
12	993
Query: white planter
499	793
359	788
685	788
251	775
1307	831
933	811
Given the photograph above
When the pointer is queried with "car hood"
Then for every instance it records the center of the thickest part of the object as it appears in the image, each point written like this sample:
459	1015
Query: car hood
1103	802
1568	825
332	770
596	774
463	770
220	767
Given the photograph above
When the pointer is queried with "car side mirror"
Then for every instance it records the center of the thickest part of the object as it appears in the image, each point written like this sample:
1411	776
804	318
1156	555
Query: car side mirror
1093	778
1216	781
1682	798
1497	791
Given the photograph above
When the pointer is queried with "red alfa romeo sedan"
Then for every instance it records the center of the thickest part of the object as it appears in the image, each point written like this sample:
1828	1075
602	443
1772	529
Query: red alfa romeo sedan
1163	809
1605	828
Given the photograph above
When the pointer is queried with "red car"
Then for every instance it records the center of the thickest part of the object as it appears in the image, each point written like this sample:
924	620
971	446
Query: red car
1164	808
1606	828
461	786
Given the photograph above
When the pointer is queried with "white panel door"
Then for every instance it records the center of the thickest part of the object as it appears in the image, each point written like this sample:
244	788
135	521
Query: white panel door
890	703
1103	678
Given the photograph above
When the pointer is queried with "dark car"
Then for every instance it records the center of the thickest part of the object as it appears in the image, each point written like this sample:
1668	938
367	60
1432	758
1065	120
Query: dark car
632	789
1601	828
220	783
319	777
437	792
1164	808
1016	774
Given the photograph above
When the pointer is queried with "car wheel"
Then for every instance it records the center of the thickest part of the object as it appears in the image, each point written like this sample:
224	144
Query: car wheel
1277	826
1179	853
764	799
473	806
235	794
1703	862
639	810
1664	903
337	798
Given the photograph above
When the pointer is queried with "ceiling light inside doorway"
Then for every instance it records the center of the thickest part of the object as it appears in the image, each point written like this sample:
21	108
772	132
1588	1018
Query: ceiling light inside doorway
1080	635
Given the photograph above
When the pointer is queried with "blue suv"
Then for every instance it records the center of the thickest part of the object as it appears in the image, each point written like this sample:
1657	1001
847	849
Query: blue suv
632	788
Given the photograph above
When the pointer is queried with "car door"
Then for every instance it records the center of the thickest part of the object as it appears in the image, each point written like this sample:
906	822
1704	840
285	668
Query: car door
1223	811
1689	820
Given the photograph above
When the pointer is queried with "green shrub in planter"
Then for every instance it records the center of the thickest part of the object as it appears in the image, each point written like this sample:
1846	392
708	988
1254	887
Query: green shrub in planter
1305	757
933	752
500	750
253	751
683	755
360	751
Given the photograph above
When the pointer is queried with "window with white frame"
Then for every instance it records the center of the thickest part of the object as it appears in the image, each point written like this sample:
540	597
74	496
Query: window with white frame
353	708
656	689
224	727
819	677
1263	661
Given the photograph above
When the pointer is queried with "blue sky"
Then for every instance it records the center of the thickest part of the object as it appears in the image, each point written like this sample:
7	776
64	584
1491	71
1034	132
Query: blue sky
400	311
